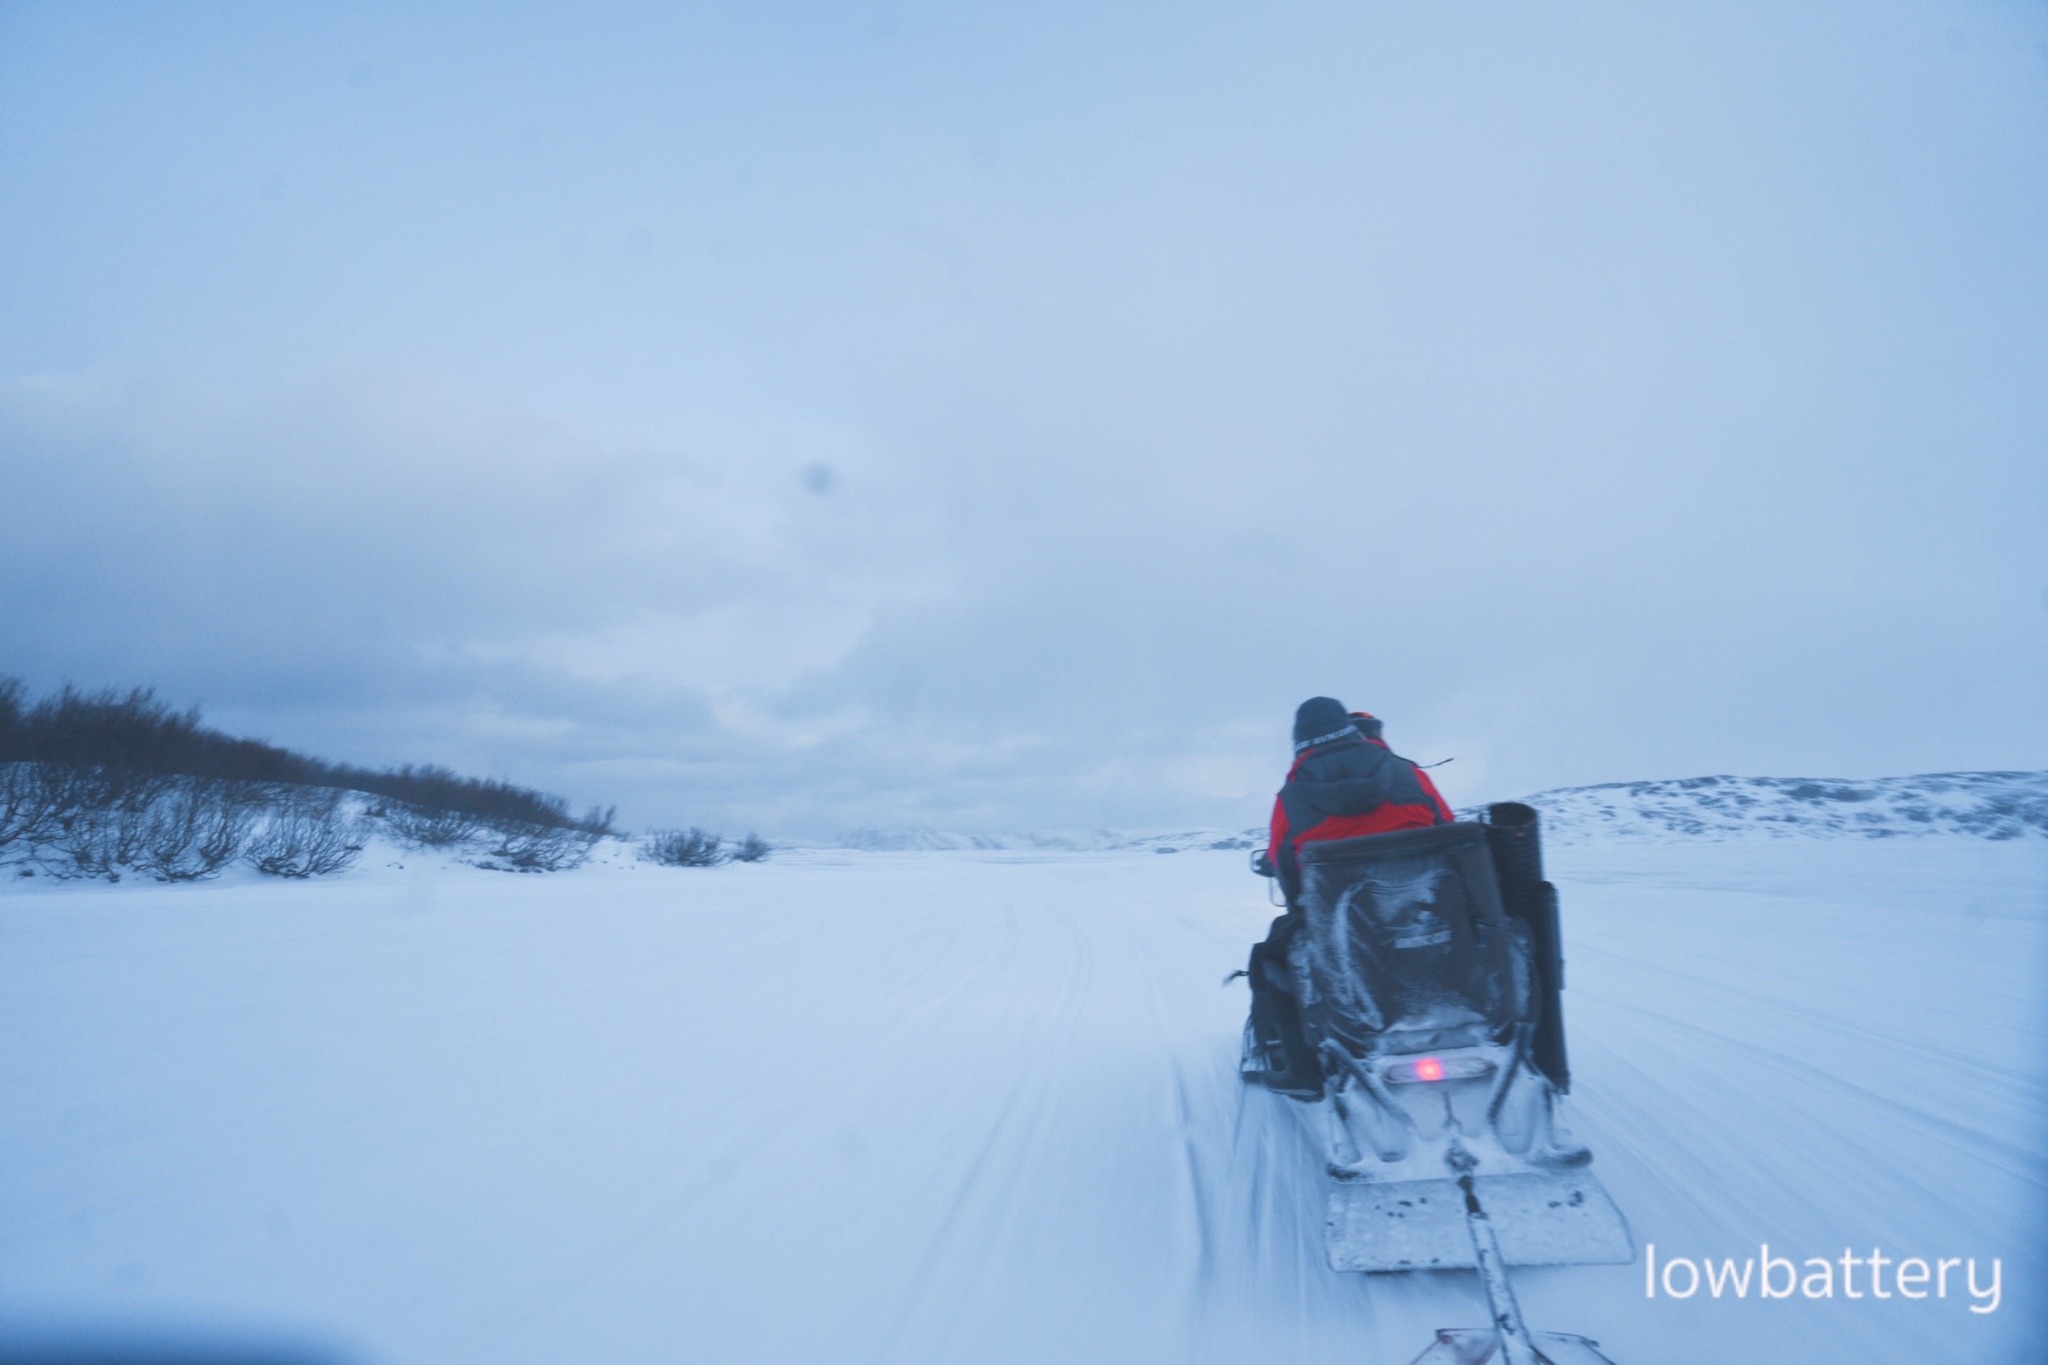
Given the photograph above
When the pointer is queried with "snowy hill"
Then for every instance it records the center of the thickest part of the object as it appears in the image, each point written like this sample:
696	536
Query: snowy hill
2008	805
925	840
1984	805
1059	841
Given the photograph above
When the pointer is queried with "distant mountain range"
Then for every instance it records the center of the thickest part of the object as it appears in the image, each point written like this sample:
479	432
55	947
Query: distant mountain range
2004	805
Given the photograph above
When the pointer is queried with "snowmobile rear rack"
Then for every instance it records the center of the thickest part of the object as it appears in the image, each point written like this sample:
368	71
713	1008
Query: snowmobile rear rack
1565	1218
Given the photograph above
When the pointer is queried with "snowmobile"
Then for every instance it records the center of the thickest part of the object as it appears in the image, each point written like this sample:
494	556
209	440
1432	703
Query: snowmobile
1414	1015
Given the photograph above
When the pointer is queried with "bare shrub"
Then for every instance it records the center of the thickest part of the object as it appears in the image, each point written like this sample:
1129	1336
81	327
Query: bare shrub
92	821
105	824
537	848
752	849
488	800
136	732
684	848
95	783
307	833
431	826
32	807
194	828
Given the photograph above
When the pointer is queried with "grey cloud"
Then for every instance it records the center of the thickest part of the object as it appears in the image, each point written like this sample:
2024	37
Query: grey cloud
1596	395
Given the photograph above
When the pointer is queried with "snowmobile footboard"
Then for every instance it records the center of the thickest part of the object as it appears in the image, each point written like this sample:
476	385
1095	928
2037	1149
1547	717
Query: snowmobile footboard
1540	1218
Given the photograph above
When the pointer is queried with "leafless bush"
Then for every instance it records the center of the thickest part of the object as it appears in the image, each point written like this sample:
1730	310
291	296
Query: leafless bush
684	848
195	827
752	849
82	820
537	848
431	827
508	843
86	820
105	826
90	808
308	833
32	808
135	732
93	784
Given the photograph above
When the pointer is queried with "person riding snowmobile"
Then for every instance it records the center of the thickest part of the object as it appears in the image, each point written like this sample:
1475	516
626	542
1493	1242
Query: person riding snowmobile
1408	1007
1344	782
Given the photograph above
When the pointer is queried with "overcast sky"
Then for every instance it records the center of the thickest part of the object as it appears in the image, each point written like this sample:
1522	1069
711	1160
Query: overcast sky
808	417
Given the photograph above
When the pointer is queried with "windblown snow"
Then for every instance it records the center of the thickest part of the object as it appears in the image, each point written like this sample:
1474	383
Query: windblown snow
981	1105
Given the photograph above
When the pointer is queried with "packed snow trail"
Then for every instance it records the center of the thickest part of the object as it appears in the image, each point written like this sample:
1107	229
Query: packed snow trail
946	1107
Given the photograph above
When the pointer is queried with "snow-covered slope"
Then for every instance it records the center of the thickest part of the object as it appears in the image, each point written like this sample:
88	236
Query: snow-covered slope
1977	805
924	840
1066	841
947	1107
1984	805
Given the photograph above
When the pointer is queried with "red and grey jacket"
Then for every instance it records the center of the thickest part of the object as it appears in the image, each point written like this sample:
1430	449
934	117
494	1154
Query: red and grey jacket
1343	785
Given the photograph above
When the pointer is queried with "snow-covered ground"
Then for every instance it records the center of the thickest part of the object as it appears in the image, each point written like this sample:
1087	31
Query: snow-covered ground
970	1106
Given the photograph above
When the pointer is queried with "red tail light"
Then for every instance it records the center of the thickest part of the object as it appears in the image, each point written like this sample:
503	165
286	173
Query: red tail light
1428	1069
